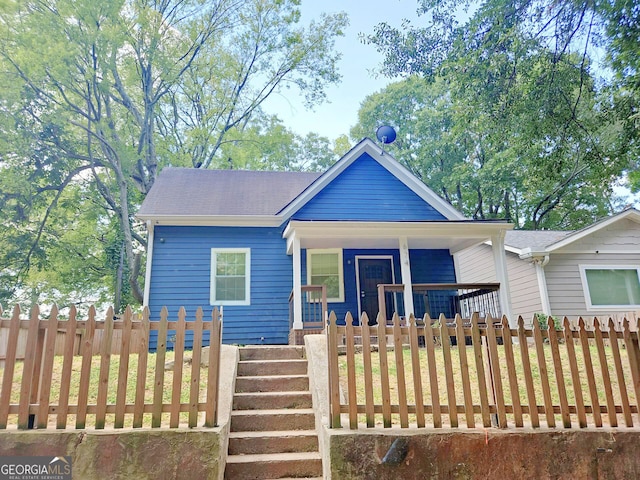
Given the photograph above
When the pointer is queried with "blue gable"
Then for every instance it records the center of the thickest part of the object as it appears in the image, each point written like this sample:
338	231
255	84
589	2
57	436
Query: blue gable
366	191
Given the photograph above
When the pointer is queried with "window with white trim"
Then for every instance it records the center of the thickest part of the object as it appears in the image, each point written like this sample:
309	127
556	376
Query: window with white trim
611	287
230	276
324	267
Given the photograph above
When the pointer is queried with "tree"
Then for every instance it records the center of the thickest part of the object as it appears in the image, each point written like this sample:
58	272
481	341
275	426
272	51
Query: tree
101	95
535	127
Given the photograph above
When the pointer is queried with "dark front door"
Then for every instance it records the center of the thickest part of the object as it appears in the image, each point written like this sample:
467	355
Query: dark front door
371	272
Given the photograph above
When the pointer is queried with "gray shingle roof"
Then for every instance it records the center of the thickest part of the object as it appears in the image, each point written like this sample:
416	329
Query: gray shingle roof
534	239
190	191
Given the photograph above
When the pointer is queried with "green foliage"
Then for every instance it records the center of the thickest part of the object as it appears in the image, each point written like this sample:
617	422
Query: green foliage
503	115
98	96
543	321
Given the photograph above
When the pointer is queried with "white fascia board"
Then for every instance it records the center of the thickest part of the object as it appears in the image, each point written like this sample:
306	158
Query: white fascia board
508	248
389	163
631	214
322	229
216	220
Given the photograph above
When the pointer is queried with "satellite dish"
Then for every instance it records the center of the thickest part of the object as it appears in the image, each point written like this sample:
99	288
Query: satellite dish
386	134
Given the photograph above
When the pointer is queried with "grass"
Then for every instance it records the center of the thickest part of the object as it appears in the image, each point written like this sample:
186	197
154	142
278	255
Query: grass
474	384
167	388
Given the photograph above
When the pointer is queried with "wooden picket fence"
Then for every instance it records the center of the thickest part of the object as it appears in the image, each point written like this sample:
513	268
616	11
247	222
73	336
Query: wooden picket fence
489	373
44	395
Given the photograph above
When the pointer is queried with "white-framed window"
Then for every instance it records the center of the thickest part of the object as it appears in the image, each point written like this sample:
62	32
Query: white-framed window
610	287
230	276
324	267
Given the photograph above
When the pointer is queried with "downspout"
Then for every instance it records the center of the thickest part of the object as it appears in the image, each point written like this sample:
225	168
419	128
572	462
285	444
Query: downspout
540	263
147	273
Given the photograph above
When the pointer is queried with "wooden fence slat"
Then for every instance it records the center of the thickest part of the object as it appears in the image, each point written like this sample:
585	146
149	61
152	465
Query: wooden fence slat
400	373
44	390
495	372
511	372
123	368
67	365
528	375
196	362
85	369
588	365
602	356
9	367
28	368
429	340
158	383
544	376
351	372
632	353
476	340
415	369
624	396
384	370
178	352
141	373
334	378
105	365
448	370
464	370
368	375
559	374
213	375
575	373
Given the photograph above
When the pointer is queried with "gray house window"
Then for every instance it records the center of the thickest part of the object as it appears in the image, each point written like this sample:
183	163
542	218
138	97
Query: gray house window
611	287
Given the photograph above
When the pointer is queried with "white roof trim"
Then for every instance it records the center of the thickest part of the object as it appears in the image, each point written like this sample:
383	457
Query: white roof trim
385	160
215	220
301	229
631	214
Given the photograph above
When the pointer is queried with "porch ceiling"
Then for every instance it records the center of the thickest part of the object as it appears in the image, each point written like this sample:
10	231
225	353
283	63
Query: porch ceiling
451	235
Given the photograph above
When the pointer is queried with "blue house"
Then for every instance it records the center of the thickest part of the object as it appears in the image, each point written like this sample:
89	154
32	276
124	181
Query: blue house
251	241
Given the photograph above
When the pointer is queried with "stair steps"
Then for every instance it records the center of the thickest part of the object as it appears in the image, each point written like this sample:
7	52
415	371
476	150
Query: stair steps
272	422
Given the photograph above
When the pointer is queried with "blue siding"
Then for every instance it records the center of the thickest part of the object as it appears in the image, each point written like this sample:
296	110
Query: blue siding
433	266
181	276
366	191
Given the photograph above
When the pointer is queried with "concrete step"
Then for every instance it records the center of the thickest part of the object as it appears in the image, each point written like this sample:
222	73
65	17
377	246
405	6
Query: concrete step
271	353
273	383
271	400
272	367
243	443
273	465
272	420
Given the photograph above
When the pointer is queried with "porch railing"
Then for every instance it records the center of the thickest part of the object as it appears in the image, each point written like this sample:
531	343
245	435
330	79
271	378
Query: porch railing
127	389
450	299
314	312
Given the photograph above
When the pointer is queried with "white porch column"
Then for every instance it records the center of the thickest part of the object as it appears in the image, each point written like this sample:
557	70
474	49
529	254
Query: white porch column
539	263
405	270
500	261
297	285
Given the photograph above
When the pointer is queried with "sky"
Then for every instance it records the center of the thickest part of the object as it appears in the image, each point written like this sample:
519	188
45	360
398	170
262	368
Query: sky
340	112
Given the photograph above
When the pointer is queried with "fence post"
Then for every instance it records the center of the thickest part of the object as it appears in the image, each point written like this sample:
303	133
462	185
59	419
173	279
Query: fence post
334	381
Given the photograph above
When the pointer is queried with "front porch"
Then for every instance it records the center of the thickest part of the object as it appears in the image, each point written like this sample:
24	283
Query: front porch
412	260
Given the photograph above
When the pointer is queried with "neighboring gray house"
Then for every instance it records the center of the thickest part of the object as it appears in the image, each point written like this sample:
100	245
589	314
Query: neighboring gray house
590	272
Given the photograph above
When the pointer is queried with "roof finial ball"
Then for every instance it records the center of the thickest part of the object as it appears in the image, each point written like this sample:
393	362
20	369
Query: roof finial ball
385	134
